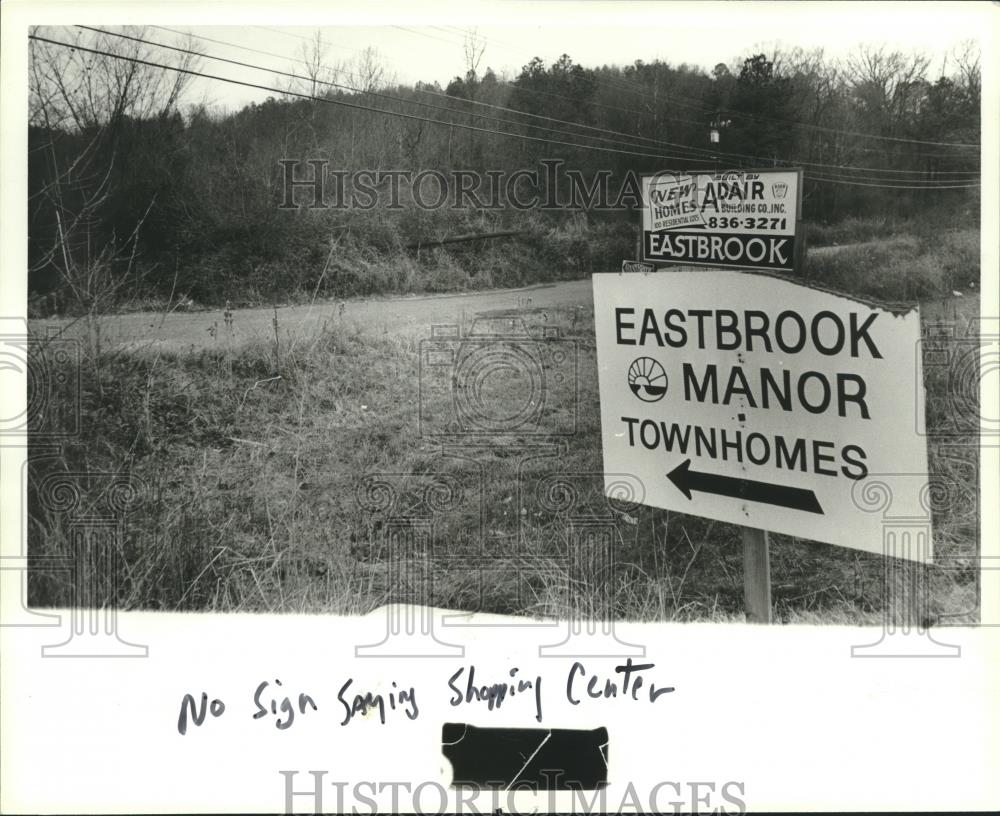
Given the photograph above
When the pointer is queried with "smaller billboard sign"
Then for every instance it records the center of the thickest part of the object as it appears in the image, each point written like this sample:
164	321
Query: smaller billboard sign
744	219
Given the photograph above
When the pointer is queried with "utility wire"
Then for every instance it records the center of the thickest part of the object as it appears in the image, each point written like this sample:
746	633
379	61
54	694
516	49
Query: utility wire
617	134
895	186
698	154
414	117
521	89
352	105
673	96
626	84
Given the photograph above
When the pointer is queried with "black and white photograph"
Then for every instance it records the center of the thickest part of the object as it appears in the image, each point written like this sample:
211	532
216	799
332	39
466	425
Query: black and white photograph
494	324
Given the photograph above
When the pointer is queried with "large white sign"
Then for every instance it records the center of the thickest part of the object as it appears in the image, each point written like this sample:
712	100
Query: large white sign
751	399
742	219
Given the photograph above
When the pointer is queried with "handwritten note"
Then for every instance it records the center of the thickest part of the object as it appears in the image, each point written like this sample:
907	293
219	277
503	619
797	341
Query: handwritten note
269	700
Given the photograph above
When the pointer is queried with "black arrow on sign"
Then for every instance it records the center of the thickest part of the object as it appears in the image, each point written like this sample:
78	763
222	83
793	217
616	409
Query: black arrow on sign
795	498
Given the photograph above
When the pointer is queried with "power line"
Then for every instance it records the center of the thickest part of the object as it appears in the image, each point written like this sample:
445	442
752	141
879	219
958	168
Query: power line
462	99
227	44
425	34
379	94
418	90
671	95
698	153
851	132
352	105
303	38
409	116
630	86
894	186
679	99
520	87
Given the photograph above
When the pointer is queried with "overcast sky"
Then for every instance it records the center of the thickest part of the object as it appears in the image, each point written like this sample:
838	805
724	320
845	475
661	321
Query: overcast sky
425	41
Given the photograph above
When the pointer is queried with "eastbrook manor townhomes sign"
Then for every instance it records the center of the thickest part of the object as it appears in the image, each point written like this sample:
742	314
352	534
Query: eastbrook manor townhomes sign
744	396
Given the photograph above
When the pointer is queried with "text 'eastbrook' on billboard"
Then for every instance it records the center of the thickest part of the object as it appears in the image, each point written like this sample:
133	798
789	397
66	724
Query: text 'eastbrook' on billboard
744	219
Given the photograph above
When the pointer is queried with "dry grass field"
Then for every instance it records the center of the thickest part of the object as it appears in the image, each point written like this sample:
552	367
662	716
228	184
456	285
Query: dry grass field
299	471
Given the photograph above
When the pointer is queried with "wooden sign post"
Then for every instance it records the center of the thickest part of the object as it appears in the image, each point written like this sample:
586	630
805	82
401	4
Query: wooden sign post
756	575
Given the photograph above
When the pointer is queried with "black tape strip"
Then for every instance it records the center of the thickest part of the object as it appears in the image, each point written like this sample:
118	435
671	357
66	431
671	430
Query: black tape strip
530	759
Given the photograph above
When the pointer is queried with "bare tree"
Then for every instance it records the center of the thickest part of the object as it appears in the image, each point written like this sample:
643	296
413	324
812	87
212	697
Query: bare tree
314	58
473	47
967	57
367	72
886	83
75	86
81	95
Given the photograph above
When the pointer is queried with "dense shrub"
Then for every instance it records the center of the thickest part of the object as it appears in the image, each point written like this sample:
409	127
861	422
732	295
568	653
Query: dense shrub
904	268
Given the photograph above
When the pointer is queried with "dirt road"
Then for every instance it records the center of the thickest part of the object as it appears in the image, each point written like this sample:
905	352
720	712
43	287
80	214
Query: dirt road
194	330
181	331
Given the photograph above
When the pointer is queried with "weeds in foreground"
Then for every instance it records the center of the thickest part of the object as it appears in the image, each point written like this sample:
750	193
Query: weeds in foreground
249	459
